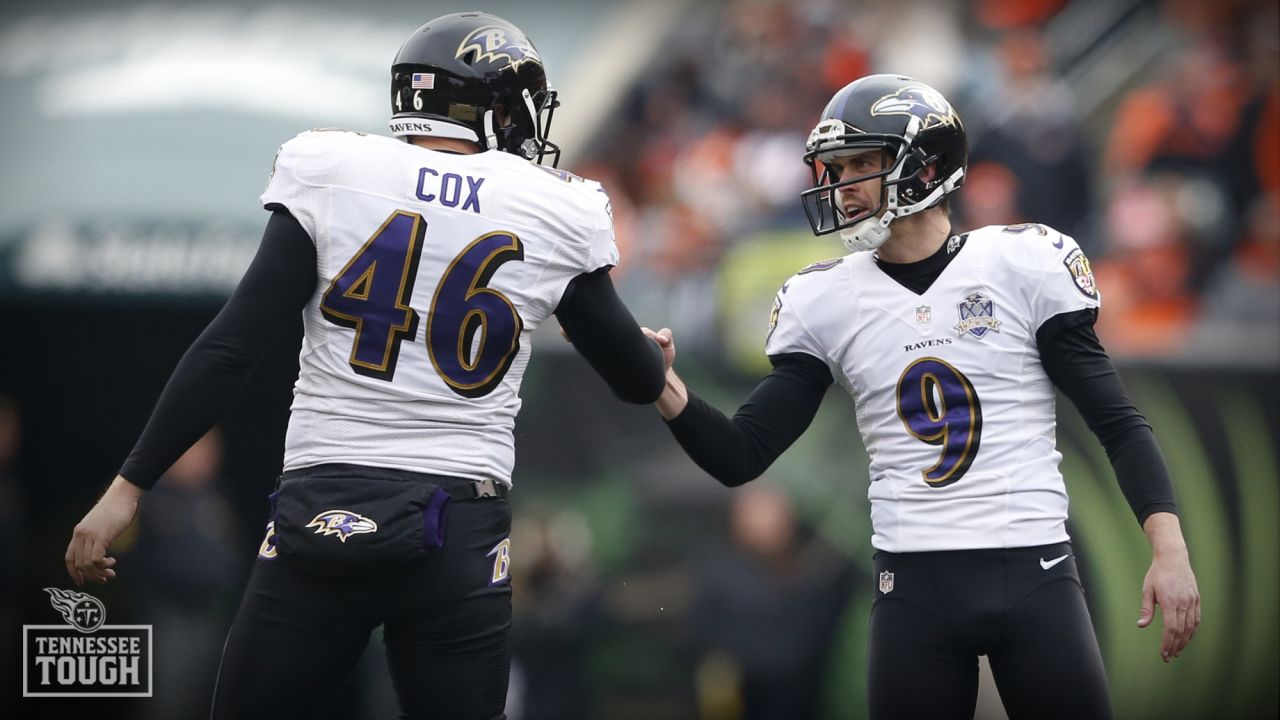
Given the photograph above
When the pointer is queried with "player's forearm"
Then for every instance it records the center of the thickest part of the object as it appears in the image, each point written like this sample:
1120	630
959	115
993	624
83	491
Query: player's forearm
674	397
739	449
276	286
1077	364
202	385
604	332
1164	532
723	448
122	488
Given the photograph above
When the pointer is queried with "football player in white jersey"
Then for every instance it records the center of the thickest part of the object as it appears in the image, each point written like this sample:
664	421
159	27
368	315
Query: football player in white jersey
420	265
951	346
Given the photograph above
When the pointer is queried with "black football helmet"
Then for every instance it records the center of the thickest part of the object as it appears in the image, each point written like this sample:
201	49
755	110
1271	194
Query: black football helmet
453	74
913	124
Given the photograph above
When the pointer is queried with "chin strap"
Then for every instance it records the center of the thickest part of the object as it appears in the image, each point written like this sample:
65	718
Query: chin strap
490	135
869	234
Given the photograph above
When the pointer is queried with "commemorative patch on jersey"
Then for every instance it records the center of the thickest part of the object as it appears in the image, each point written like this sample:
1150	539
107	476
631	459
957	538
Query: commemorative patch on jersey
773	314
977	316
342	523
1078	265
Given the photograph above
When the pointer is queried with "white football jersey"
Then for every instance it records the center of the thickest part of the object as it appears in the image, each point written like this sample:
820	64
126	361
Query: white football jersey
954	406
433	270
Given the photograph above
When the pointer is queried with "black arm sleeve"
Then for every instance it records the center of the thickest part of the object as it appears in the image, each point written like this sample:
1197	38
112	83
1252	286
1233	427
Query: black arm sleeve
272	293
1077	364
602	329
777	412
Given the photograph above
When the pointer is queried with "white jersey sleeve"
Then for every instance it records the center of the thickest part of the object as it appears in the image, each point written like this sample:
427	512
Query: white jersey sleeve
604	245
1065	278
299	173
580	213
788	332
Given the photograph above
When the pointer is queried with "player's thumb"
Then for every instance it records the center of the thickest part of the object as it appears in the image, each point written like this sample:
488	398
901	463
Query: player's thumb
1148	607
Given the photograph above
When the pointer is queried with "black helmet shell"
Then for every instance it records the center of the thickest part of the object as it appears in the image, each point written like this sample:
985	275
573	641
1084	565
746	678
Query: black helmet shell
457	69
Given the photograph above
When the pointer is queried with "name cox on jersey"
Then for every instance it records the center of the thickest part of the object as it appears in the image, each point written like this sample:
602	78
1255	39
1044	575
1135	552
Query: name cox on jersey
448	189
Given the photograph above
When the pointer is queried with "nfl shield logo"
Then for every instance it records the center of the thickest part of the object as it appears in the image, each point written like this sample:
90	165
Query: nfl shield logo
924	314
886	582
977	315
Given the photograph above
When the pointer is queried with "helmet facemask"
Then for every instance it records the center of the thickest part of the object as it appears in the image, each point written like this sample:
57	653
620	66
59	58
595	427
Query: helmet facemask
526	135
906	152
822	204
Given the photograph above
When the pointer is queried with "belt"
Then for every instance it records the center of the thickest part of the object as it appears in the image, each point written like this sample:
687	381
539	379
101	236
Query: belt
459	488
478	489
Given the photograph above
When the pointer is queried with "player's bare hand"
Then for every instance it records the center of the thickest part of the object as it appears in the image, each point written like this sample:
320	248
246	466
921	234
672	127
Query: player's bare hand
666	341
86	556
1171	584
675	396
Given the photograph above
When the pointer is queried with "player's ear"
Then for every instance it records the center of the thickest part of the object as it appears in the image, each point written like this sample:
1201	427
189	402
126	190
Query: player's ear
929	172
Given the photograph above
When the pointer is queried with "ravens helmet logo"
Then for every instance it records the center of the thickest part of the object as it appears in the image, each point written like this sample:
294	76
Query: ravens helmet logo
492	44
921	101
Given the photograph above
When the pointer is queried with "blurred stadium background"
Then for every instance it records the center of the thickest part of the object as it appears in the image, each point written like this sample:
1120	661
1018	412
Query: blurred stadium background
136	137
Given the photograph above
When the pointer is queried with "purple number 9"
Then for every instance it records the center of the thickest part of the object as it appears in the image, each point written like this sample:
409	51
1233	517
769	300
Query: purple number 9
938	405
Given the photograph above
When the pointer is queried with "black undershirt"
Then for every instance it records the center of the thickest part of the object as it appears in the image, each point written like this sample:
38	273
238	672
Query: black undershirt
278	285
918	276
779	410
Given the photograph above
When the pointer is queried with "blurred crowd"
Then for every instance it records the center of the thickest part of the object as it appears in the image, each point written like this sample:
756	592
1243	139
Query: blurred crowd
1149	131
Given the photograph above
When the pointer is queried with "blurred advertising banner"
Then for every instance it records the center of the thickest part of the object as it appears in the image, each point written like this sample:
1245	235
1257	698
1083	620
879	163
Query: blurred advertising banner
126	259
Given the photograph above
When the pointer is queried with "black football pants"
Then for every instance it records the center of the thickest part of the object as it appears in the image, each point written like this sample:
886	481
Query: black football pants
447	626
944	609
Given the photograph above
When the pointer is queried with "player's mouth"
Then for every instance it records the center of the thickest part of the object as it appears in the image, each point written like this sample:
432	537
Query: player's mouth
853	210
